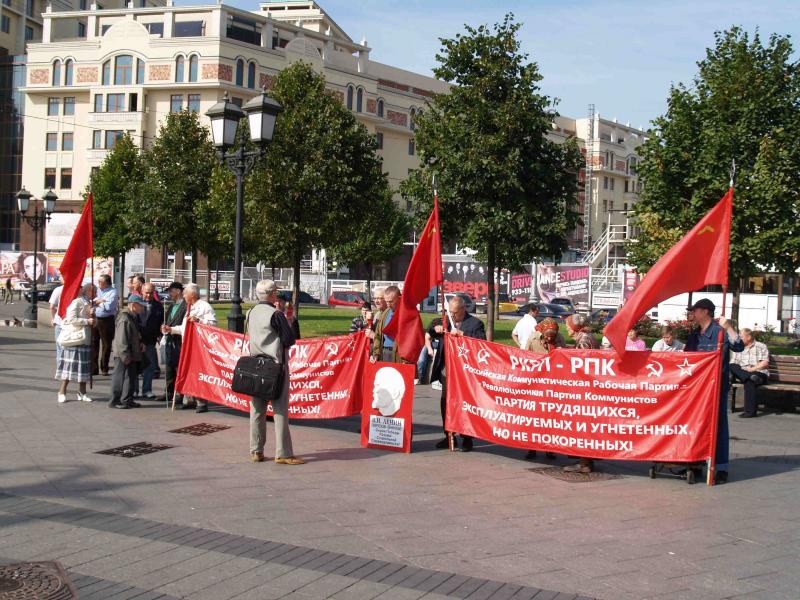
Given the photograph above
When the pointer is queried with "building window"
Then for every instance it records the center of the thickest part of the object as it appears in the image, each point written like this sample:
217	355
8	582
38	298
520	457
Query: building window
359	100
379	140
349	97
66	141
139	70
123	70
176	103
98	103
626	186
193	67
612	184
82	4
81	30
251	75
106	73
156	29
605	183
605	205
193	103
111	138
411	148
240	72
409	205
66	179
28	33
5	24
115	103
412	120
49	178
188	29
237	101
52	142
52	106
380	108
133	102
69	105
57	73
68	72
29	7
179	69
97	139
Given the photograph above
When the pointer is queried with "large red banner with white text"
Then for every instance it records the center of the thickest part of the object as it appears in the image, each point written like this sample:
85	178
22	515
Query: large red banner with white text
653	406
324	373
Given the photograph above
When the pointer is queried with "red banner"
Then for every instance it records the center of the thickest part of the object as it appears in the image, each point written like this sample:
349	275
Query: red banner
654	406
386	418
324	373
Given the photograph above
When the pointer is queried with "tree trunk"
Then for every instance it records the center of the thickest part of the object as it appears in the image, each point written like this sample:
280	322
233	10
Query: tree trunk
208	279
194	264
298	254
273	271
216	287
490	260
497	296
738	284
121	288
369	280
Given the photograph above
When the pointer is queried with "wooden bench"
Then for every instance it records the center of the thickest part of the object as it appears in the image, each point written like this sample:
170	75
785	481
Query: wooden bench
784	376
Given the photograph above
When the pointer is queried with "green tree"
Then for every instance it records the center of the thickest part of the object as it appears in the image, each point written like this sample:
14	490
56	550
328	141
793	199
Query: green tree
116	187
382	231
505	188
320	174
174	209
743	105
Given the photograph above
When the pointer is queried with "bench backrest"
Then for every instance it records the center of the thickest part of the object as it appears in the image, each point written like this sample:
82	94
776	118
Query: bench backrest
784	369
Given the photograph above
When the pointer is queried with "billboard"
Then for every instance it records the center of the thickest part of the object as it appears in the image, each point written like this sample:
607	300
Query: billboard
563	281
470	278
19	266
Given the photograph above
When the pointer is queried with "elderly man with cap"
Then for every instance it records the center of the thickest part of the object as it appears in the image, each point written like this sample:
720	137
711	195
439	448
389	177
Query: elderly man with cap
706	339
128	349
173	317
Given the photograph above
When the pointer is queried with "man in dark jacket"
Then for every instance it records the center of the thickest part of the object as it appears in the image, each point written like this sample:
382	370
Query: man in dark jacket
464	325
127	346
152	320
172	343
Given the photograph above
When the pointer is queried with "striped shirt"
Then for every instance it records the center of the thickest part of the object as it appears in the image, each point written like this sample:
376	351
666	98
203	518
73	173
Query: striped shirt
751	356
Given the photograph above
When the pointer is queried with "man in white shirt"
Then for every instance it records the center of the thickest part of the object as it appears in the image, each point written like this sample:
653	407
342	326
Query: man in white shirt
668	341
55	299
525	326
198	311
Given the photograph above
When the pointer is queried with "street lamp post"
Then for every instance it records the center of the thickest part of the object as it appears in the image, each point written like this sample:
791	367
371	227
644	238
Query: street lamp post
262	112
37	222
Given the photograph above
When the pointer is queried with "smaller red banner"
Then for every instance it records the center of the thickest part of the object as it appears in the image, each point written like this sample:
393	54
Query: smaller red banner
388	391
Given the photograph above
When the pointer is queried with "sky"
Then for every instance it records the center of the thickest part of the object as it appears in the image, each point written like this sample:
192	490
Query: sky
620	55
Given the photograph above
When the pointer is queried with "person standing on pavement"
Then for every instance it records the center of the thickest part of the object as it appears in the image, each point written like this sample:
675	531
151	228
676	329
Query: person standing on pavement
106	307
127	353
198	311
172	343
270	335
9	295
55	319
383	348
75	361
152	321
706	339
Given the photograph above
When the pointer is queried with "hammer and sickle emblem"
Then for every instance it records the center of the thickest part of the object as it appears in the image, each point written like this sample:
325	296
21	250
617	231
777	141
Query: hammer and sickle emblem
483	356
655	369
332	349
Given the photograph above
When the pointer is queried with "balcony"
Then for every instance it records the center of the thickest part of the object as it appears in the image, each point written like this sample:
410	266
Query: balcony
95	156
126	118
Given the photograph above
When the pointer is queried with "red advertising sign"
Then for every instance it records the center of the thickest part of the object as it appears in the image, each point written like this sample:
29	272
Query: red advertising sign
324	373
654	406
389	393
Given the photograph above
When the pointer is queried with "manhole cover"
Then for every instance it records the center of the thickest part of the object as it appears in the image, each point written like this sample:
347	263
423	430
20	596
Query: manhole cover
574	477
133	450
200	429
35	581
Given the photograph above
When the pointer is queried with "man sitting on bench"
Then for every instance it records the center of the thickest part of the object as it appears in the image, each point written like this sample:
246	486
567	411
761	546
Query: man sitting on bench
751	368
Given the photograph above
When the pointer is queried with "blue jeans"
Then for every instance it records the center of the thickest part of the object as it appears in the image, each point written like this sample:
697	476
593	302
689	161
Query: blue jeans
147	374
422	364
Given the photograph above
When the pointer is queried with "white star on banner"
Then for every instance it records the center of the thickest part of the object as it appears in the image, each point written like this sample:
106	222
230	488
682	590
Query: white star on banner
686	368
462	351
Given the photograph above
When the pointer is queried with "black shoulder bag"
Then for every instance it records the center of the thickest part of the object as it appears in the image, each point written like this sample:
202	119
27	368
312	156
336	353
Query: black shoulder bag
260	376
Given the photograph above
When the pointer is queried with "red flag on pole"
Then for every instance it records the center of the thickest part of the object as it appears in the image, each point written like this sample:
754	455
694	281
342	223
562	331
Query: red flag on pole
699	259
424	272
73	267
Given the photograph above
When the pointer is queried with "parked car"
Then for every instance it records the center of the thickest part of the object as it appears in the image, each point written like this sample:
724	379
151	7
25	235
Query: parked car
347	298
505	306
565	302
547	309
43	291
304	297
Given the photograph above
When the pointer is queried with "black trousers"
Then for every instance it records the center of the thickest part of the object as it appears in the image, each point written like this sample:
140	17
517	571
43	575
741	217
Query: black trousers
102	337
750	382
171	376
122	381
443	408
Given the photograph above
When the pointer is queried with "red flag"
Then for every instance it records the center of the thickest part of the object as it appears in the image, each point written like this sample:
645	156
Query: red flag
697	260
424	272
73	267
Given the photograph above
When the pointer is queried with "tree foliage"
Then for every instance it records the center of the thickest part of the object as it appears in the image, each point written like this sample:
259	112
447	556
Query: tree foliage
505	188
743	105
116	187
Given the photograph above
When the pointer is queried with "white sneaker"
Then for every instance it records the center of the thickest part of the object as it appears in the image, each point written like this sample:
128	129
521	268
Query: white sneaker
149	396
436	385
84	397
62	398
416	382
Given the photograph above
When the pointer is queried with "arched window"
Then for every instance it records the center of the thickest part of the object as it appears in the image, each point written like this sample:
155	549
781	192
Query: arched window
123	70
68	72
349	97
380	107
139	70
107	73
179	69
412	120
251	75
57	72
359	99
240	72
193	67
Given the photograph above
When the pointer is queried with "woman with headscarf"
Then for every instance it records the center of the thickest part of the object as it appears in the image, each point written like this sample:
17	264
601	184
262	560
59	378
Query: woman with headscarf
545	338
74	364
579	330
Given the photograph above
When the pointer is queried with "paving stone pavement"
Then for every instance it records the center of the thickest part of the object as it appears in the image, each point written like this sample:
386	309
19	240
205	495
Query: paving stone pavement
200	521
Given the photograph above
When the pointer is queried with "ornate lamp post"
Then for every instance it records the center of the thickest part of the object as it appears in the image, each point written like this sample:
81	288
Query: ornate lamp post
37	222
262	112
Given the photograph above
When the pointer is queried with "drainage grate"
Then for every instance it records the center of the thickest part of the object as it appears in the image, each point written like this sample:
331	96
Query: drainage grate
133	450
573	477
35	581
200	429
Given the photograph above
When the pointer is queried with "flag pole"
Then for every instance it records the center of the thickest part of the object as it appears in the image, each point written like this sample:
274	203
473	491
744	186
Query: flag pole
94	307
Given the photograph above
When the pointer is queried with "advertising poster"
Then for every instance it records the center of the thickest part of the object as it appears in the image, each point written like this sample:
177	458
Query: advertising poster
520	287
470	278
388	392
103	265
563	281
19	266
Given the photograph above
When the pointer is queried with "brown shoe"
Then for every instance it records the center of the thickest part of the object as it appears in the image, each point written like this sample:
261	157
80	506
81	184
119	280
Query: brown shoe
582	466
289	460
257	456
